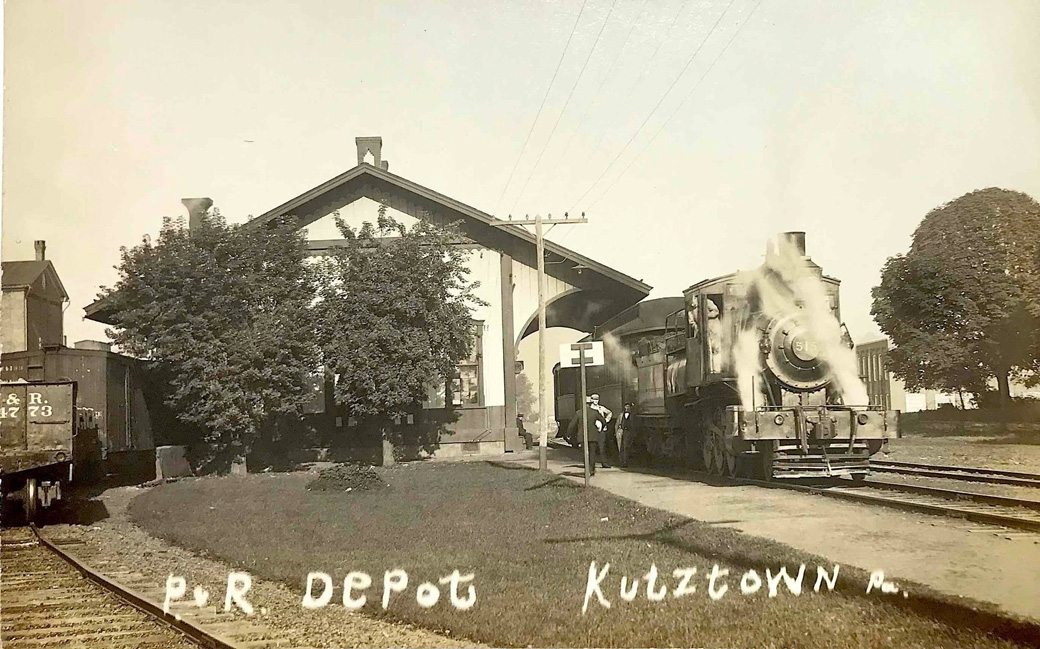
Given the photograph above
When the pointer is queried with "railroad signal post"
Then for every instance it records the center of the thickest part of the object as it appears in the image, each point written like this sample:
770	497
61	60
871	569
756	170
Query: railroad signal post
588	353
543	419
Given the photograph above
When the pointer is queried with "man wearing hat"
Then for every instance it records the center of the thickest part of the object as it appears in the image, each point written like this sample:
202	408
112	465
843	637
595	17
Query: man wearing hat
596	432
599	441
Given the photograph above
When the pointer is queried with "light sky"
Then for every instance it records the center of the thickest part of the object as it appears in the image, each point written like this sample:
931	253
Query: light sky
848	120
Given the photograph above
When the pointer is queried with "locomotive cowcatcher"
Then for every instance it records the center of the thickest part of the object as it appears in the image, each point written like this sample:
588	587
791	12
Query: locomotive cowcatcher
730	380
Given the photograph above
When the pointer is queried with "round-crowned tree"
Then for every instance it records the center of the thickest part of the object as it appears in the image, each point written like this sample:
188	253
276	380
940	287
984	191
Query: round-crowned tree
394	314
221	312
962	307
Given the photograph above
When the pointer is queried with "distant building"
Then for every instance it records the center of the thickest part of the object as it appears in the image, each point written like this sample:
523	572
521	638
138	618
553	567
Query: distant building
882	388
33	302
108	384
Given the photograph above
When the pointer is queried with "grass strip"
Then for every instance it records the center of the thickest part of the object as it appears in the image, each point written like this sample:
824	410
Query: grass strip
529	540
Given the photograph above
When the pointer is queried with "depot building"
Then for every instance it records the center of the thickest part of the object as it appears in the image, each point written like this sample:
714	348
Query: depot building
475	410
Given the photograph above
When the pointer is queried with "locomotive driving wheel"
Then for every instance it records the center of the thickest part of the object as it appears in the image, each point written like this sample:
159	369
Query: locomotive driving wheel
718	460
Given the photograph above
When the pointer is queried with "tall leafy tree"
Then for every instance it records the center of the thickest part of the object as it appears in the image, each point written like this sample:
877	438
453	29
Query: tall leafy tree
223	312
963	305
394	314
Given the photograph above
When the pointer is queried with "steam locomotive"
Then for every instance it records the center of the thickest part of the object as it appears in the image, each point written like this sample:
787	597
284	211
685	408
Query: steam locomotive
750	374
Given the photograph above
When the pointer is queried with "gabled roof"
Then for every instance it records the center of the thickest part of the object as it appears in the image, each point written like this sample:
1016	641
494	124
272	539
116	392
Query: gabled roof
303	206
365	180
22	274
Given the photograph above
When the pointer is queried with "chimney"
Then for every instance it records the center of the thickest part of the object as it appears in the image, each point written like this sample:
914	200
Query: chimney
41	250
373	145
791	241
197	207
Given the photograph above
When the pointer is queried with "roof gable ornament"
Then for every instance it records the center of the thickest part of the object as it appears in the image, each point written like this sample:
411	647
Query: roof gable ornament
373	145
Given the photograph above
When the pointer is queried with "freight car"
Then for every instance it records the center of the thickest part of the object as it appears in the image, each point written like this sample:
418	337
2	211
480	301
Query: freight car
42	439
748	374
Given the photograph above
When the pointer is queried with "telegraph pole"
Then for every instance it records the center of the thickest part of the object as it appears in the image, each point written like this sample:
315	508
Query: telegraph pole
543	415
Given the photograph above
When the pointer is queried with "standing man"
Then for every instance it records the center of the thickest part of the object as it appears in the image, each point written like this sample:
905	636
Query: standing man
623	433
596	433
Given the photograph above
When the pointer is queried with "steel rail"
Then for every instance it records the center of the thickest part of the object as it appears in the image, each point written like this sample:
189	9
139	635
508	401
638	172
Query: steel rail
848	493
950	467
999	520
193	631
970	474
986	499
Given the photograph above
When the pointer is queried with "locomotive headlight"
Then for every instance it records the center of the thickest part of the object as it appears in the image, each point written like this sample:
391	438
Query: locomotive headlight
862	419
60	456
778	420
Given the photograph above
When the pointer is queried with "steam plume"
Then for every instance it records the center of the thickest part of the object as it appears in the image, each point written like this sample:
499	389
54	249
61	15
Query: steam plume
786	286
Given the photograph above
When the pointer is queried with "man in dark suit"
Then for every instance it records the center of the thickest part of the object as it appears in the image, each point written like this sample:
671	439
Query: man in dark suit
597	434
623	432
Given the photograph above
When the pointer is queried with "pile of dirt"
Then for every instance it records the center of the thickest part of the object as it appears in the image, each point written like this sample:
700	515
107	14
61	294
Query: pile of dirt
347	477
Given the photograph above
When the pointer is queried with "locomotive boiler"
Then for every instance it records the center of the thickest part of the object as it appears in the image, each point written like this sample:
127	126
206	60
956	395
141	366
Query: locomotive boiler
749	374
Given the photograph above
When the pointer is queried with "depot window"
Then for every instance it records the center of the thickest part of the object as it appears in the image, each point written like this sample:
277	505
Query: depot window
466	388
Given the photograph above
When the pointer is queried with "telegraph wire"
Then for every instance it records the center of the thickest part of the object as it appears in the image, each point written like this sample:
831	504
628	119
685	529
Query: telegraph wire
610	70
676	111
661	101
642	73
539	114
565	104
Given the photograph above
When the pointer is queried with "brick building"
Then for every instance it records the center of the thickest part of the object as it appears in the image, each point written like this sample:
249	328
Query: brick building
882	388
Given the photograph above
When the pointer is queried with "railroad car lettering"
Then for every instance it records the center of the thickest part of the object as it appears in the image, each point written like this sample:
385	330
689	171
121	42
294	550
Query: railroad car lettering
359	581
684	575
311	602
793	585
750	583
12	400
713	592
592	586
35	398
238	584
9	412
42	411
821	576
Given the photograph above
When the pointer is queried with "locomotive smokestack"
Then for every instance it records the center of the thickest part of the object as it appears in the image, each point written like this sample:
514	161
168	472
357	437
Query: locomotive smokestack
793	242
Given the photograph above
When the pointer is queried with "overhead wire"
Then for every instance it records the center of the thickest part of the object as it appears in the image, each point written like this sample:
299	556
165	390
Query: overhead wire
542	106
656	107
603	83
565	104
642	73
680	106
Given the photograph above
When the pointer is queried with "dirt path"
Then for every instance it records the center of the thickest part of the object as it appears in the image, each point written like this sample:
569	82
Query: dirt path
955	557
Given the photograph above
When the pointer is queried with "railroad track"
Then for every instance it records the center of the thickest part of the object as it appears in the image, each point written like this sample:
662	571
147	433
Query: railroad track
52	599
1001	511
1014	513
971	474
